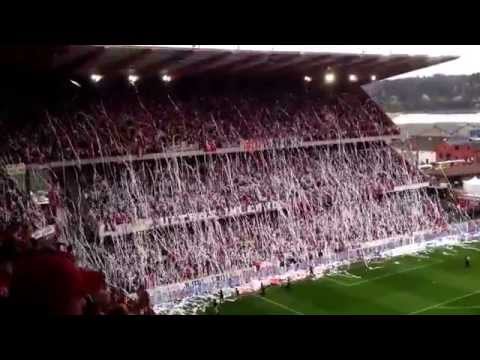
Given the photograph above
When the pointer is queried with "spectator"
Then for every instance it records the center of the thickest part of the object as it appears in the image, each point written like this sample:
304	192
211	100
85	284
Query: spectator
49	284
143	302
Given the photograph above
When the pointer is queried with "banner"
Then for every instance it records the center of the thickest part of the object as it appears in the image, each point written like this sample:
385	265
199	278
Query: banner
210	147
263	144
249	279
46	231
252	145
182	147
16	169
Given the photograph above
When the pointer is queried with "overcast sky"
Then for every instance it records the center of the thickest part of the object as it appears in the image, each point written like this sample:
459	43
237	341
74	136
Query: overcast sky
468	63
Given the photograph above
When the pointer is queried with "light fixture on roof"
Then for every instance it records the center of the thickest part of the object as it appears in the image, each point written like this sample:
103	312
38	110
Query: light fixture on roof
132	79
96	77
166	78
75	83
307	79
373	77
353	78
329	77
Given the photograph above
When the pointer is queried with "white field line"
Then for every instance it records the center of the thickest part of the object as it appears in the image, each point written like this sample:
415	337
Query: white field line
341	283
470	248
279	305
444	302
384	276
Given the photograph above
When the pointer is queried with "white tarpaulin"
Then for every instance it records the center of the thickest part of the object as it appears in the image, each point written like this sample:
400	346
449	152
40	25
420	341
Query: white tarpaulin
17	169
472	186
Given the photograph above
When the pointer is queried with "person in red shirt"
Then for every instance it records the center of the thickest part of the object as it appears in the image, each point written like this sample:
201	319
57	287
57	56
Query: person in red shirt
5	278
143	302
50	284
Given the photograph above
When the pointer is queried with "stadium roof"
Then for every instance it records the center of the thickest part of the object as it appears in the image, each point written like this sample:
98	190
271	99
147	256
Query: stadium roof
187	62
83	60
421	143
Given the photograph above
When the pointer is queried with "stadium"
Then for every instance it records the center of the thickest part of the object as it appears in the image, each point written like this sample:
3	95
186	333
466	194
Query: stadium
200	181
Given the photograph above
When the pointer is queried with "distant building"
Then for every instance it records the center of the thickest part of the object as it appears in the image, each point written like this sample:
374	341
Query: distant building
458	149
437	124
422	150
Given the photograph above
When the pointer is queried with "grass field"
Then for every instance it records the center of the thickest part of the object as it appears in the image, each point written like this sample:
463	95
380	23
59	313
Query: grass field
434	283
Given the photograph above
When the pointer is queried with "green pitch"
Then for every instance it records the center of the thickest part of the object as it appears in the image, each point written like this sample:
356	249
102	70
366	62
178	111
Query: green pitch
434	283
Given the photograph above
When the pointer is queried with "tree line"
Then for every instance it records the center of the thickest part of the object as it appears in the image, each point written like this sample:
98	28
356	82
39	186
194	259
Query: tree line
436	93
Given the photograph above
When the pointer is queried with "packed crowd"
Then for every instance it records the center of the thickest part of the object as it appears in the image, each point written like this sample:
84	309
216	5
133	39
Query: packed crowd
181	253
125	194
140	126
333	198
39	272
